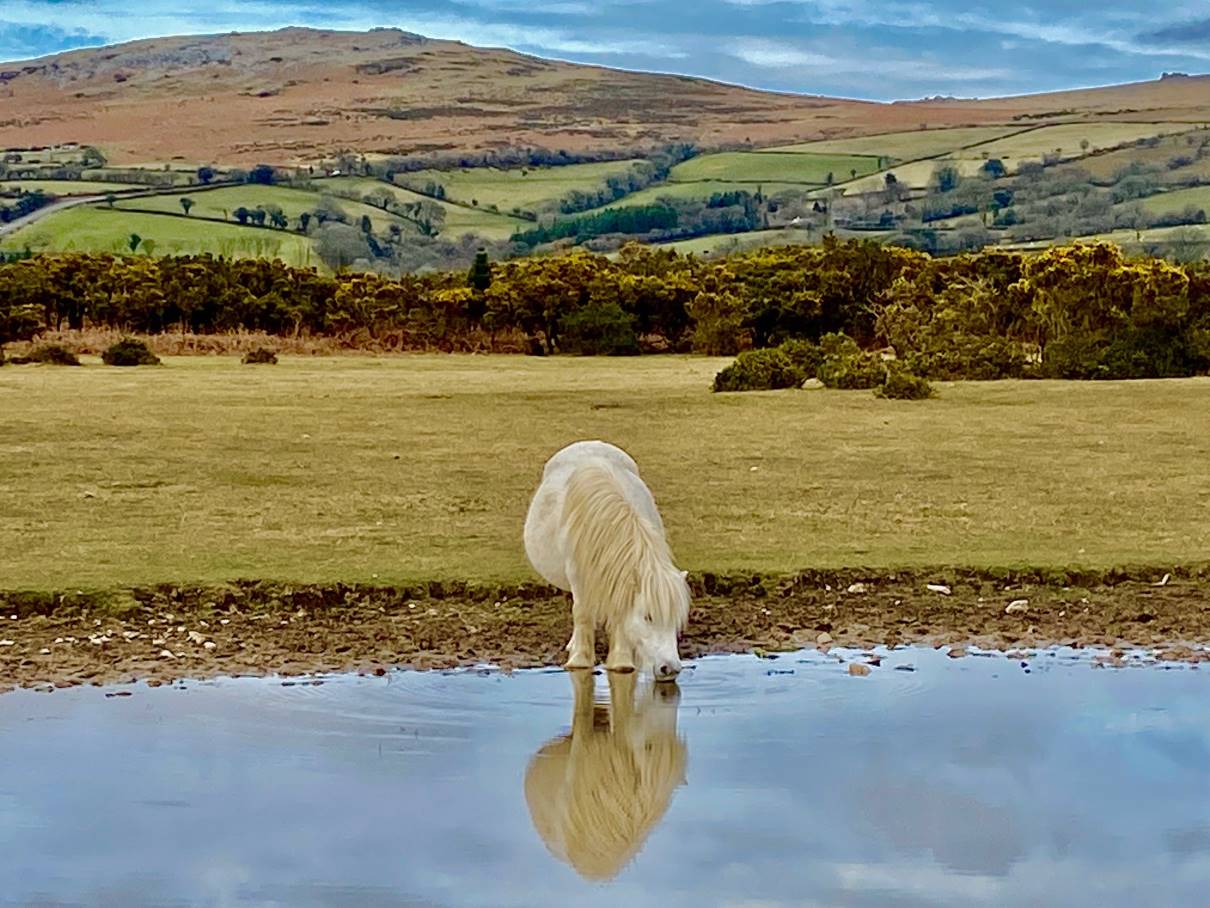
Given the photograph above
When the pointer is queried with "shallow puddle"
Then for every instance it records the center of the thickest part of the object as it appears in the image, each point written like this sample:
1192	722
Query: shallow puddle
771	782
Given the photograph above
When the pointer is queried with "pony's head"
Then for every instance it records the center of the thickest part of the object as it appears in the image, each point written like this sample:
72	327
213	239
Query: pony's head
660	611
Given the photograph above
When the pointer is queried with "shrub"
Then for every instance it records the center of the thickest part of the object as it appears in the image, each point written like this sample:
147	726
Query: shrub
902	384
967	356
598	329
807	357
258	356
50	354
847	366
759	370
129	352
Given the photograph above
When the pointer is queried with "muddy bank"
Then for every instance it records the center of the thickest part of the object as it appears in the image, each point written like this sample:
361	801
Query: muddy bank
167	633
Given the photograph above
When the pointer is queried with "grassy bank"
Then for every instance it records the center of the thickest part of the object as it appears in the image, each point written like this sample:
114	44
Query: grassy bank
400	469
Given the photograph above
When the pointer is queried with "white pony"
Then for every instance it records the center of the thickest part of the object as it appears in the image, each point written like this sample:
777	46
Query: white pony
593	529
594	795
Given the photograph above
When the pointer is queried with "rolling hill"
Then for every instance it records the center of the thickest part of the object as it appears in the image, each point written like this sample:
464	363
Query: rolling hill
297	95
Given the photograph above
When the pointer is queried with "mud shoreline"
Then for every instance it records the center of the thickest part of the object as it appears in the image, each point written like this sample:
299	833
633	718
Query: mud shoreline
166	633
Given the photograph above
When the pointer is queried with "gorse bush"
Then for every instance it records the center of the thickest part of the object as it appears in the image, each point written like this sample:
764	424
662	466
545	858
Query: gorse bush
49	354
1076	311
759	370
846	366
259	356
600	330
129	352
902	384
806	356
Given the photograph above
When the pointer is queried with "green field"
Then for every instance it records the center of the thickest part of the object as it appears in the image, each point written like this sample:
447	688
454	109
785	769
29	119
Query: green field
69	187
1176	201
906	146
762	166
86	228
220	203
525	188
722	244
458	218
1066	139
399	468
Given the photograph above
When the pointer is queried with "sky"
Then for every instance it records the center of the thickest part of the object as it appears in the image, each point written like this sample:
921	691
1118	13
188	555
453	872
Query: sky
875	49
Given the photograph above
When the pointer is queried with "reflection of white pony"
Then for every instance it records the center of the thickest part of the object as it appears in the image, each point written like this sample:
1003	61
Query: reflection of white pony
596	794
593	529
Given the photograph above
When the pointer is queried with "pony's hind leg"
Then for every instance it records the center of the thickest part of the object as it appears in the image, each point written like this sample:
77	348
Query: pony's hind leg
581	648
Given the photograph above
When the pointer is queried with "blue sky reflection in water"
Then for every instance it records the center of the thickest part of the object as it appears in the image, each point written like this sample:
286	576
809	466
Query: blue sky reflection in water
965	782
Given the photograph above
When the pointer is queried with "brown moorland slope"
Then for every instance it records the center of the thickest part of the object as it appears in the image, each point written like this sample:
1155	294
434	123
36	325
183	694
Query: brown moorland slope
297	95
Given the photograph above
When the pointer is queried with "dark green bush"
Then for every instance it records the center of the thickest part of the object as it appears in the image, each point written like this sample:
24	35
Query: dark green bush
805	355
759	370
129	352
902	384
968	356
261	355
600	329
50	354
847	366
1129	353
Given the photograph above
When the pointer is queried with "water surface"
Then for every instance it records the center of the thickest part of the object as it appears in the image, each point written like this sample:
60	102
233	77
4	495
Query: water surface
770	783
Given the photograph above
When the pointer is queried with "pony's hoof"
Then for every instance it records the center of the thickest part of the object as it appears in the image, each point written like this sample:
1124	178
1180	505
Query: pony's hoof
578	665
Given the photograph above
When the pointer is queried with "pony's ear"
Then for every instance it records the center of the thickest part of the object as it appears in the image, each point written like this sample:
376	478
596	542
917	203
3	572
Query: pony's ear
684	575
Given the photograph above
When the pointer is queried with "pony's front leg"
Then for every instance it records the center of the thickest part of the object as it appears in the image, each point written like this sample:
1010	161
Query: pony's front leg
621	653
582	647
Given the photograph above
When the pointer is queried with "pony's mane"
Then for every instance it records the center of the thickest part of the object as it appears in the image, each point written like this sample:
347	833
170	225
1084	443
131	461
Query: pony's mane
619	557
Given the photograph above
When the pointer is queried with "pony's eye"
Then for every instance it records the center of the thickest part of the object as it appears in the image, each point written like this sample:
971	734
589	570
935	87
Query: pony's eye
649	619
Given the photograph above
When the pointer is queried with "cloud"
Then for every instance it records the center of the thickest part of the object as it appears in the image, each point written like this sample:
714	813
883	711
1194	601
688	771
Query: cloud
774	54
1180	33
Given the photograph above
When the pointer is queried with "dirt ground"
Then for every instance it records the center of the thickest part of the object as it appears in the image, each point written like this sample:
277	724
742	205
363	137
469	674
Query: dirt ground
166	634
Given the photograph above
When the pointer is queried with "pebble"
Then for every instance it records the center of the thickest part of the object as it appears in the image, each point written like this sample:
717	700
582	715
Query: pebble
7	643
209	644
1017	607
195	637
856	588
857	670
167	654
957	652
44	651
824	639
940	588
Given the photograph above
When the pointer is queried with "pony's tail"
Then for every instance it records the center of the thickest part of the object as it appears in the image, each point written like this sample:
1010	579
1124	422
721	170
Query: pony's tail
616	552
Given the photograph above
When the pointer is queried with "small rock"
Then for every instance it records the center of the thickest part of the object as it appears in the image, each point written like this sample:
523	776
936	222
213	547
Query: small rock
1017	607
44	651
957	652
1163	580
812	383
824	639
7	643
940	588
209	644
195	637
167	654
856	588
857	670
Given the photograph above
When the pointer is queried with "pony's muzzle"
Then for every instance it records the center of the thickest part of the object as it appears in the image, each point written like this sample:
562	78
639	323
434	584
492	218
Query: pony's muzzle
667	671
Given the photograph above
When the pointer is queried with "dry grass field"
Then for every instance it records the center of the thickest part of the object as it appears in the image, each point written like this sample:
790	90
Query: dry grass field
418	467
